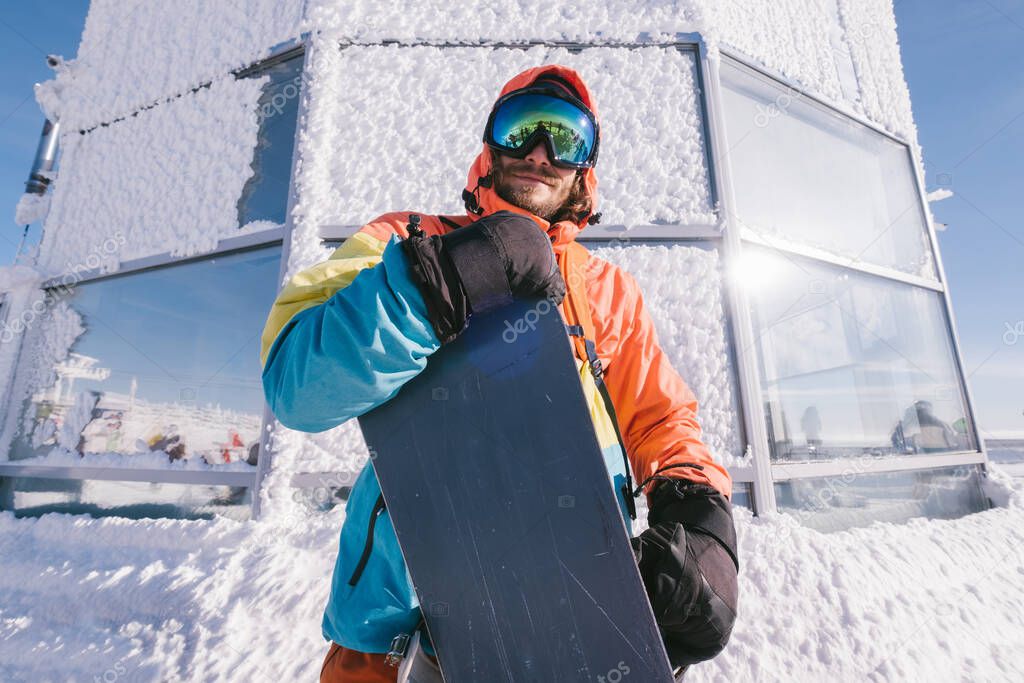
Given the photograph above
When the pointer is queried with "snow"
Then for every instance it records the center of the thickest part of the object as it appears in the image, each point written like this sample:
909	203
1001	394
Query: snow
43	346
31	208
134	54
224	600
167	180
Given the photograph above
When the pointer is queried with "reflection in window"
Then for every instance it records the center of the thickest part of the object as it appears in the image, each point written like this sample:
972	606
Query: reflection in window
851	363
741	495
31	497
809	175
265	195
151	367
858	498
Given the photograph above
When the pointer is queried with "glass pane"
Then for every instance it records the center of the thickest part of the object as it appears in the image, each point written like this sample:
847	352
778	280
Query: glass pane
741	496
1005	451
31	497
852	499
852	363
153	369
804	174
265	195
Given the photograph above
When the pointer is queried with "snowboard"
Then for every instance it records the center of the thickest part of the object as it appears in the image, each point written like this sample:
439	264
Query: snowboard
506	515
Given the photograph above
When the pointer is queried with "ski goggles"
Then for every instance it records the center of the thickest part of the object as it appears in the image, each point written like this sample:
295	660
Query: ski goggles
522	118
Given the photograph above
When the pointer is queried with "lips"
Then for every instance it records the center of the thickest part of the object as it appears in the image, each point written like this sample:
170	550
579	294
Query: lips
534	178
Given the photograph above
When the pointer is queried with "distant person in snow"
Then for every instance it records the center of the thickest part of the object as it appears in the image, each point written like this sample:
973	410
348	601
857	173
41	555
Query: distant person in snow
335	346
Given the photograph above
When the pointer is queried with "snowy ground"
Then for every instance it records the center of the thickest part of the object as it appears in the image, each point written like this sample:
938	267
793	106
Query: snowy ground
119	600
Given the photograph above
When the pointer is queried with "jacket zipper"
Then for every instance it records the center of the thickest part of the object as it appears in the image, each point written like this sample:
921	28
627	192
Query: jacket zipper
378	508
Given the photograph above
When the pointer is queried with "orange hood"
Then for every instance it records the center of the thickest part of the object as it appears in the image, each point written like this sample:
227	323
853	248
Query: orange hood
562	232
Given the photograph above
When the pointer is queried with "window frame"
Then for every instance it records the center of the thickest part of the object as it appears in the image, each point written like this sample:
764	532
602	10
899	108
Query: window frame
280	235
766	473
761	474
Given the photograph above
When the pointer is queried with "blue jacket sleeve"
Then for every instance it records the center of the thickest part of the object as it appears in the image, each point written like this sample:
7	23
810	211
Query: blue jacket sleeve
344	357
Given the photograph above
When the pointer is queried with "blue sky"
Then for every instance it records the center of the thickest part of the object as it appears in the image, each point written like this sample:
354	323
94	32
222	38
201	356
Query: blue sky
962	61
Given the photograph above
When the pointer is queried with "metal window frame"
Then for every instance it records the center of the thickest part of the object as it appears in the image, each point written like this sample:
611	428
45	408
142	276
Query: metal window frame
762	489
761	474
228	245
266	455
767	472
28	468
788	471
772	79
847	263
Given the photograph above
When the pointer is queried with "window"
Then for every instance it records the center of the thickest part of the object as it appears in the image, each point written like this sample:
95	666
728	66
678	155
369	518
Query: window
852	363
858	497
265	195
156	369
31	497
805	174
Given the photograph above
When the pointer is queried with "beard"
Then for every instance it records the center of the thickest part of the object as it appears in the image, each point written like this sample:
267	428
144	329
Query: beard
540	203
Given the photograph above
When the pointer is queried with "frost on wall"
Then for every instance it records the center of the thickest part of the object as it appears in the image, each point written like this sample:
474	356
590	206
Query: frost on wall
508	20
817	43
166	180
375	144
47	341
681	286
875	51
788	36
21	301
135	53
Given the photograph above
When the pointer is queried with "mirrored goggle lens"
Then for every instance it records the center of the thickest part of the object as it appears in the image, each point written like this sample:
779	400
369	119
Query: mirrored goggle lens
571	129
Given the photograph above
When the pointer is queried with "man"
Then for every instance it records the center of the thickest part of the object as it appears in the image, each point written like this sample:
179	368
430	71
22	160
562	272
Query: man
337	345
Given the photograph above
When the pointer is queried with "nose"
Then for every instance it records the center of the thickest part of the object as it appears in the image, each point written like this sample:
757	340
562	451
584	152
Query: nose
538	155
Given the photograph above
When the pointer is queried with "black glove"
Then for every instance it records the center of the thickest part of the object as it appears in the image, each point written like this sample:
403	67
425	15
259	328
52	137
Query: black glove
688	562
482	266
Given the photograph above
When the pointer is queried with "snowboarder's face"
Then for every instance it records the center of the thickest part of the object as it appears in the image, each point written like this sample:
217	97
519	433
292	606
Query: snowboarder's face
533	183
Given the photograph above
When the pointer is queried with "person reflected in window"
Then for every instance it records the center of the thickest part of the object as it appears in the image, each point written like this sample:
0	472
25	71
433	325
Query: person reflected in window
922	431
810	423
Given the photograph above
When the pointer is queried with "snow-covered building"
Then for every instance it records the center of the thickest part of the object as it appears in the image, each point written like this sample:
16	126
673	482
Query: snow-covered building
760	177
